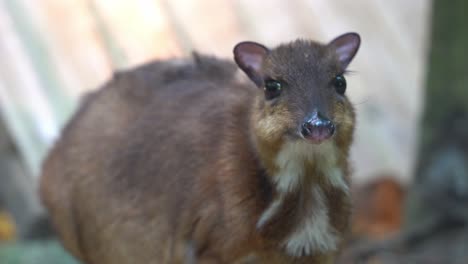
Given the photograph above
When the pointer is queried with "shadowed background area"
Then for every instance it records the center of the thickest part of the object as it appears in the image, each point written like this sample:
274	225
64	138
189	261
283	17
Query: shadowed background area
54	51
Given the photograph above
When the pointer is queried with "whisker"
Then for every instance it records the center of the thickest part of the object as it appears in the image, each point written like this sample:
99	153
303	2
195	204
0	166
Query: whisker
362	102
350	72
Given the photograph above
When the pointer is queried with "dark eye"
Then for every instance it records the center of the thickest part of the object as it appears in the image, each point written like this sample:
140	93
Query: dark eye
340	84
272	89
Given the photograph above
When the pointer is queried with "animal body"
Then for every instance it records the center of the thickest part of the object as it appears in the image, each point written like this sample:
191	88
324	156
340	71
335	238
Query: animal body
190	161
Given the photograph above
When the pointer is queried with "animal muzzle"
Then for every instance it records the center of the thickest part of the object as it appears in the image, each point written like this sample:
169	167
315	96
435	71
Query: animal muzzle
317	128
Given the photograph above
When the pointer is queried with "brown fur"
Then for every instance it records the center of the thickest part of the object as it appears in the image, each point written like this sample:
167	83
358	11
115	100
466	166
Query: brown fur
173	162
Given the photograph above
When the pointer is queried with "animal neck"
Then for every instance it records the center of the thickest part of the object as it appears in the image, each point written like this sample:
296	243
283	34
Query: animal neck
298	216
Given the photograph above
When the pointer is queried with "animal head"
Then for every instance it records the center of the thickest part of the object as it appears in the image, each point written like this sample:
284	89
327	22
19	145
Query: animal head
304	89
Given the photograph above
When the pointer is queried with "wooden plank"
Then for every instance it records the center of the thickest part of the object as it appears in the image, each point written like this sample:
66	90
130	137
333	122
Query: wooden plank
38	53
210	26
140	28
24	104
76	45
270	22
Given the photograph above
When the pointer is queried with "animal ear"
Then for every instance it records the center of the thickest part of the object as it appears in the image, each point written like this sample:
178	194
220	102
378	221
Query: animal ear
249	57
346	46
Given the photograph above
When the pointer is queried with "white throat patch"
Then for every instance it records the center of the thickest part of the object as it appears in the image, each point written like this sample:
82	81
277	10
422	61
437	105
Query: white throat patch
314	234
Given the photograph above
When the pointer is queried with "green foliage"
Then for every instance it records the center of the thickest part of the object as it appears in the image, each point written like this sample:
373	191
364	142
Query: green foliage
37	252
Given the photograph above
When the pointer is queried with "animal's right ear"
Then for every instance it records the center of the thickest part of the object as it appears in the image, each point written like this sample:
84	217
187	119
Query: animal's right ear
249	56
346	47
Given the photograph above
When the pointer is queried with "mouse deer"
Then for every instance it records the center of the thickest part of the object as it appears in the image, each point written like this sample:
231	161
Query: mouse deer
194	161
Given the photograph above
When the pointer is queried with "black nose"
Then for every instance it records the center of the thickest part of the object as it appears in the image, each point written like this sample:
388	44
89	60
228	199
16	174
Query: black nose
317	128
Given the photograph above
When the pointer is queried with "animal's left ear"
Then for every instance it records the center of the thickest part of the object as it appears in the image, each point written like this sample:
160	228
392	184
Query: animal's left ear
249	56
346	46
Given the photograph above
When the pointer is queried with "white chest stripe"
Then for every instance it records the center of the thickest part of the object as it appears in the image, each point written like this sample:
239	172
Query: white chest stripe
315	233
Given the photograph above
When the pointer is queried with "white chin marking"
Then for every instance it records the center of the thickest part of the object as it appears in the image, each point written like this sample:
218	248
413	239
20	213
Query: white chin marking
292	158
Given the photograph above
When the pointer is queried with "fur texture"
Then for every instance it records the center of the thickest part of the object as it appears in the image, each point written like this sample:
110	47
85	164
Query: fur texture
186	162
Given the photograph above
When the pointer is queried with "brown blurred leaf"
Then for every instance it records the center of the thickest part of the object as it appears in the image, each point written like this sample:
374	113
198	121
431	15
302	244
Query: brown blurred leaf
378	208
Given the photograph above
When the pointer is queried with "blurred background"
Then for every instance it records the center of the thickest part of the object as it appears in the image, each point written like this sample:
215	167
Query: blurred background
54	51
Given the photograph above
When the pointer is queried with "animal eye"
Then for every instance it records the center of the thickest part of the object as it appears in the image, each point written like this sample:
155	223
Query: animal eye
339	82
272	89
